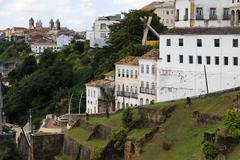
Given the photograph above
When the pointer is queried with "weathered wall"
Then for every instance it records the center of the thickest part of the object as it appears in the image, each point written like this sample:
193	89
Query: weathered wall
46	147
131	151
100	132
23	146
204	119
75	150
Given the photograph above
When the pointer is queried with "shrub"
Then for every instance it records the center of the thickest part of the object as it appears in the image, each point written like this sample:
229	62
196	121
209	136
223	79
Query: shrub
127	117
166	146
232	121
119	139
210	150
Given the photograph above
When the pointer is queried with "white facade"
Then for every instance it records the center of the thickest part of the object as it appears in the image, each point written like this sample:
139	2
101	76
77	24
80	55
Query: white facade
202	13
40	47
183	56
101	30
235	13
147	81
63	40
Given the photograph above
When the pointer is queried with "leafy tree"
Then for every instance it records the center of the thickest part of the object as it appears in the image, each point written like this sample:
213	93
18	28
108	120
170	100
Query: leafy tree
130	29
119	139
210	150
232	121
127	116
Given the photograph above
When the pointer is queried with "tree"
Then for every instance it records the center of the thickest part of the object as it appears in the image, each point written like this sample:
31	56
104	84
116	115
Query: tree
127	116
232	121
210	150
130	29
109	94
119	139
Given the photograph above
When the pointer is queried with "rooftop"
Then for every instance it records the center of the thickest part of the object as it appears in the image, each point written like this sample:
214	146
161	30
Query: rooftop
130	60
152	6
203	31
152	54
99	83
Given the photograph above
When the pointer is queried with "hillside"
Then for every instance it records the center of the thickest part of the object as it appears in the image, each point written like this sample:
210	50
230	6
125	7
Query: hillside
180	130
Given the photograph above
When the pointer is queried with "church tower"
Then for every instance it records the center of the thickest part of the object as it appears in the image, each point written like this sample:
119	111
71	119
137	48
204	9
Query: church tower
31	23
58	24
51	24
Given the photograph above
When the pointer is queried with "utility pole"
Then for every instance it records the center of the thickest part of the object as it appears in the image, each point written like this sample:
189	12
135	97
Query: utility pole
206	80
79	105
1	109
30	120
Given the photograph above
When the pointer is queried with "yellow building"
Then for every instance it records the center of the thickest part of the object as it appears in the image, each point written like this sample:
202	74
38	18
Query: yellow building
8	33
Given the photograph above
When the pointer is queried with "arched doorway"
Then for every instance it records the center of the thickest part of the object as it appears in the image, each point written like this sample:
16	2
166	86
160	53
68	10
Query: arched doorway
237	17
232	17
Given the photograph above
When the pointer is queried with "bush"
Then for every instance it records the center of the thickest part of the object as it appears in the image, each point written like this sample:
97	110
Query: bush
210	150
232	121
166	146
119	139
127	116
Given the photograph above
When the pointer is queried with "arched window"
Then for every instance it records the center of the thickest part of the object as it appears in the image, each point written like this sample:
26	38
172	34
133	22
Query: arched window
127	73
123	73
142	68
147	101
147	69
103	26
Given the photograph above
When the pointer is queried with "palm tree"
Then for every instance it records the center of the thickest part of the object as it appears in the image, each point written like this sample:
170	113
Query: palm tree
109	98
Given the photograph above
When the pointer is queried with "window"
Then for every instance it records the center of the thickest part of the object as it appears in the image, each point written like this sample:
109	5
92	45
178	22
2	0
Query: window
168	42
127	73
199	59
217	42
142	84
180	42
167	12
168	58
235	61
180	58
136	90
216	60
119	88
147	85
103	26
212	14
226	14
142	68
123	73
235	42
153	85
186	14
153	69
136	74
147	101
147	69
103	35
199	14
199	42
208	58
190	59
119	73
226	61
131	73
127	89
177	15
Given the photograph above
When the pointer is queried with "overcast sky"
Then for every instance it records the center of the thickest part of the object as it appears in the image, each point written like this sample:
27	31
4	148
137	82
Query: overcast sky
75	14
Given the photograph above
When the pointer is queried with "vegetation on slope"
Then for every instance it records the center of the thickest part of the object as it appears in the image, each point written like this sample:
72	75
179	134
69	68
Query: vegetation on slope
182	132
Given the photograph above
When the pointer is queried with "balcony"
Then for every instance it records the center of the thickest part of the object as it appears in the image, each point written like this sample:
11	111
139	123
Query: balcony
148	91
119	93
213	17
226	17
134	95
199	17
127	94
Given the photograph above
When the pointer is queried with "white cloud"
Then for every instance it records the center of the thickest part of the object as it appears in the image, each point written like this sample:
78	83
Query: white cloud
133	3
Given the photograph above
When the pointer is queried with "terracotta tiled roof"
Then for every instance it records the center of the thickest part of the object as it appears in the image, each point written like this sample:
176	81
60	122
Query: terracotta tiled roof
209	31
99	83
152	54
130	60
151	6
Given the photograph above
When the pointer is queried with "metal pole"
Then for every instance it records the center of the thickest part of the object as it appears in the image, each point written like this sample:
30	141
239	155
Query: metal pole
79	106
69	104
206	80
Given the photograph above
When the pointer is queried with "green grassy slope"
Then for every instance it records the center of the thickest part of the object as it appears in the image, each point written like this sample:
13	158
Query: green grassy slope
181	130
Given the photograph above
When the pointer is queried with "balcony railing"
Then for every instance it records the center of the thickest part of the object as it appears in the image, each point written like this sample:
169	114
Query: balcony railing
127	94
226	17
148	91
213	17
199	17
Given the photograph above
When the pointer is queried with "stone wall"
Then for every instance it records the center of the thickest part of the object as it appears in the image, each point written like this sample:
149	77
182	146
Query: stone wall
46	147
100	132
131	151
75	150
4	137
204	119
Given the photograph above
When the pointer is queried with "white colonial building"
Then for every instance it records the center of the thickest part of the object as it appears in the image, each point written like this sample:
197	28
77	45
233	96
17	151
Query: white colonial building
202	13
42	44
183	54
126	82
148	77
98	36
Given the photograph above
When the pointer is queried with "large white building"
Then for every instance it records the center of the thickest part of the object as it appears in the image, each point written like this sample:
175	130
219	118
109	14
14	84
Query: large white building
183	54
42	44
98	36
235	13
202	13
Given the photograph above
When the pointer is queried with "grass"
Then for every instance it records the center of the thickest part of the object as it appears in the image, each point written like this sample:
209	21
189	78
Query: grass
64	157
182	131
114	122
138	134
235	155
